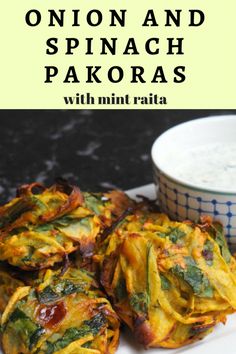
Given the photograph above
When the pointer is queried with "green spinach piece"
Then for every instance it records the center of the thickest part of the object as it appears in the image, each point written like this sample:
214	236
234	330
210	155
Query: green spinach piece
44	228
35	337
30	254
67	287
165	283
38	203
120	289
64	221
29	331
92	326
54	292
218	235
174	233
194	277
139	302
87	345
93	202
207	252
47	295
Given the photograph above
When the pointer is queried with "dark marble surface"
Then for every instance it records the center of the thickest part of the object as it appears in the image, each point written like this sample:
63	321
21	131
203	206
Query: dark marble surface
97	149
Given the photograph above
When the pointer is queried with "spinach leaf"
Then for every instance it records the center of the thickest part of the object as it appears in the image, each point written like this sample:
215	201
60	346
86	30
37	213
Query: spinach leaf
96	323
221	241
194	277
35	337
44	227
139	302
54	292
18	230
47	348
165	283
93	202
47	295
65	221
120	289
207	252
17	315
67	287
174	234
30	254
87	345
29	331
92	326
71	335
38	203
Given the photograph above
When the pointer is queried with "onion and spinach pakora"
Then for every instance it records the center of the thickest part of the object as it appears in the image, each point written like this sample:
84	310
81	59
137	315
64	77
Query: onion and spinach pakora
8	285
64	314
40	228
170	282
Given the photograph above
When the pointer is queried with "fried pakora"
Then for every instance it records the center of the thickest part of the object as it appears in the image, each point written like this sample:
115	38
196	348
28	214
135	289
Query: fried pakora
170	282
8	285
40	228
64	314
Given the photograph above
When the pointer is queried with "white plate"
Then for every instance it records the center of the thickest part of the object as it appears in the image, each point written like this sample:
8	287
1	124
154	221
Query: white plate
222	340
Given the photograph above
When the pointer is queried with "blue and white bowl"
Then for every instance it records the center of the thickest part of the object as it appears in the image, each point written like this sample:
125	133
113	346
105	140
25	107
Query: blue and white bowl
185	200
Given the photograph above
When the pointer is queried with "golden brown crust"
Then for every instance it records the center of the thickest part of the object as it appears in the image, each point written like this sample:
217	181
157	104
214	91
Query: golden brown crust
163	278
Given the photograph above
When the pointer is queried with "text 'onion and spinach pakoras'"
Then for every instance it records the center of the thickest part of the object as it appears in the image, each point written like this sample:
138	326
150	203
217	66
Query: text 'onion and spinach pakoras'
63	314
170	282
43	226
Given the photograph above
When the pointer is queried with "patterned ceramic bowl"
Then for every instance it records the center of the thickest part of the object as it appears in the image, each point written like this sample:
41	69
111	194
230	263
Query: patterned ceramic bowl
183	199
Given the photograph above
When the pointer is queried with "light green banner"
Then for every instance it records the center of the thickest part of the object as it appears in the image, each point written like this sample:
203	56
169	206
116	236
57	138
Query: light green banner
118	54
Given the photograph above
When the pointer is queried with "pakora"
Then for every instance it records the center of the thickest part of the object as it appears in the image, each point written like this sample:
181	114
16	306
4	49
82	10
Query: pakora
64	314
40	228
8	285
170	282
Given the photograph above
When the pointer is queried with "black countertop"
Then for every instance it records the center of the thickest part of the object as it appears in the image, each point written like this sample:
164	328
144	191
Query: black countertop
99	150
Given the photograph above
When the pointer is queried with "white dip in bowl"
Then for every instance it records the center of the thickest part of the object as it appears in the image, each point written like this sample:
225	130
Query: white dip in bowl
195	170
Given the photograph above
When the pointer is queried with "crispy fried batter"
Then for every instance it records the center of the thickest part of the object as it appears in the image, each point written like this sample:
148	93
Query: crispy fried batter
8	284
63	314
38	230
171	282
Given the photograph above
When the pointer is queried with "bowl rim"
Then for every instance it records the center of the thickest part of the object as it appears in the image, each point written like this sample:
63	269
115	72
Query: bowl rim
180	181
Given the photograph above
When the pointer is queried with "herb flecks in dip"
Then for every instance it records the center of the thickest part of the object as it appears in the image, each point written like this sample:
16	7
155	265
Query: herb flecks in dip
212	165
